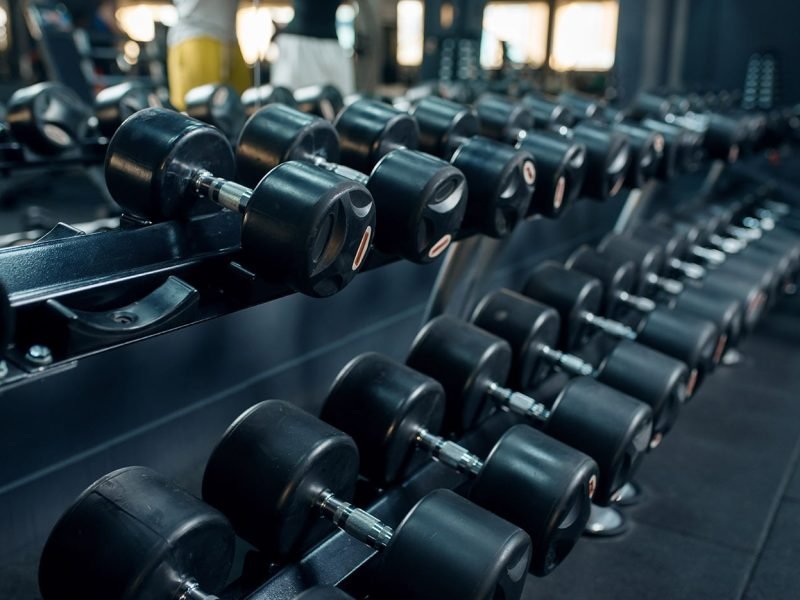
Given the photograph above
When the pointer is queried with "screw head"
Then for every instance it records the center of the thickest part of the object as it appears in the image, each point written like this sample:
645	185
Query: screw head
39	354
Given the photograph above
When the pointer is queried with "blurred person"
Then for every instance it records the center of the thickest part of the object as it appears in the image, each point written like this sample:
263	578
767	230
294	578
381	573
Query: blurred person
309	50
202	48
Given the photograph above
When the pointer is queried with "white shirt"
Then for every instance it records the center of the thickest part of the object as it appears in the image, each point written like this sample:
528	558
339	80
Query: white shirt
204	18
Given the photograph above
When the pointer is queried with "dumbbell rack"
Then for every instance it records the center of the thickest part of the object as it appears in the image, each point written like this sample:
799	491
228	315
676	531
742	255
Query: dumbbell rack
182	273
171	275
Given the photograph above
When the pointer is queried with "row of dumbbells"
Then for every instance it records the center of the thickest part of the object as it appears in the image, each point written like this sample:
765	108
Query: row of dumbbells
50	119
461	184
278	469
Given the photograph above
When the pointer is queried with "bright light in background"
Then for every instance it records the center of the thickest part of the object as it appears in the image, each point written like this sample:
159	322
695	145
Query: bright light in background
522	25
138	21
254	30
346	27
3	28
585	36
410	31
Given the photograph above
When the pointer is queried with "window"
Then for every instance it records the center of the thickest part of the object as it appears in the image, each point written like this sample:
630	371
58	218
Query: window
585	36
522	26
410	27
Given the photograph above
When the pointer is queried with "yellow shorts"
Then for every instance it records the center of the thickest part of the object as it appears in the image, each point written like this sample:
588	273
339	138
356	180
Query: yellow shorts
203	60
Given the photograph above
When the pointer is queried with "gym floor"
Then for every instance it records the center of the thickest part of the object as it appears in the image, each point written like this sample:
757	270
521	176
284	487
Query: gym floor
720	517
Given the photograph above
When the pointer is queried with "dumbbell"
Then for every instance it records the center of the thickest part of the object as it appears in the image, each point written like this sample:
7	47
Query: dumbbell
218	105
734	220
722	135
607	153
548	113
724	254
256	97
626	288
647	153
581	105
578	298
278	469
134	534
630	378
304	226
472	366
116	103
394	414
420	199
49	118
323	101
560	163
500	180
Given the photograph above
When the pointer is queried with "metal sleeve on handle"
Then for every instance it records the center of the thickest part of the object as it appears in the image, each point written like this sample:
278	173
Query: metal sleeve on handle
450	453
610	327
519	404
569	362
358	523
645	305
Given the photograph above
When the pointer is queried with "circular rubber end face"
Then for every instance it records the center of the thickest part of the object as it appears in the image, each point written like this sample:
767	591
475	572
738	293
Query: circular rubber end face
440	246
529	172
363	248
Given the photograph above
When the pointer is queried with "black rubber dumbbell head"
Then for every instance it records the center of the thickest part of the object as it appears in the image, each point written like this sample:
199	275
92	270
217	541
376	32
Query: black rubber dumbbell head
309	228
542	485
722	309
658	380
647	257
692	339
278	133
615	276
153	157
321	100
270	468
382	405
647	152
501	118
133	534
48	117
547	113
254	98
613	428
443	125
218	105
561	166
465	360
571	293
420	203
526	325
427	542
368	130
116	103
501	185
608	155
